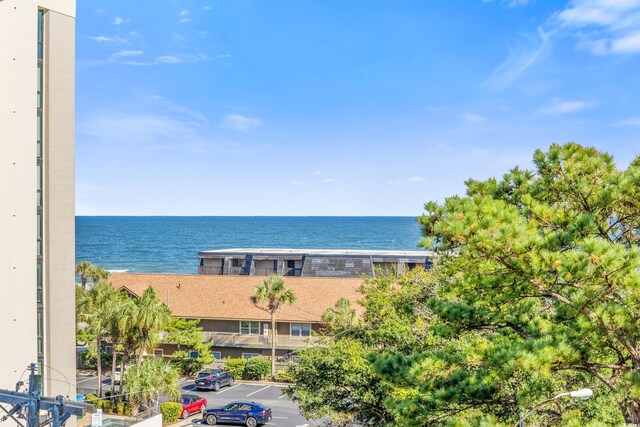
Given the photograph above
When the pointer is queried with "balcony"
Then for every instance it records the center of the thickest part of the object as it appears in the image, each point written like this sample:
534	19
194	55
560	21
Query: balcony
228	339
292	272
263	271
242	271
203	269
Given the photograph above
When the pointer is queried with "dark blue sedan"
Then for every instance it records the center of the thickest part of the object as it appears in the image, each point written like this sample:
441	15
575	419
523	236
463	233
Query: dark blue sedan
250	414
213	379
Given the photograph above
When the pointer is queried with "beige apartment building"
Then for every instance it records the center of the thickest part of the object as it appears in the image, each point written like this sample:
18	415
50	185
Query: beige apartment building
37	320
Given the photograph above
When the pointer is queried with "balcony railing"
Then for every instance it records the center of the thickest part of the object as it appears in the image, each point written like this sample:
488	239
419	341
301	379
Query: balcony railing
263	271
242	271
203	269
228	339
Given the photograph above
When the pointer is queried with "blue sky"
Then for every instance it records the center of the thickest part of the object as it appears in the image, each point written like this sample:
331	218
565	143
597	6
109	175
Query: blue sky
360	107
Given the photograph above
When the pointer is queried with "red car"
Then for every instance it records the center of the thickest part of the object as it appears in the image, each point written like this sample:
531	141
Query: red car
192	404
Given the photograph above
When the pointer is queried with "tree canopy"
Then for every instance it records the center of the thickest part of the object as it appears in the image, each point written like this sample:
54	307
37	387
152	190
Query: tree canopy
535	292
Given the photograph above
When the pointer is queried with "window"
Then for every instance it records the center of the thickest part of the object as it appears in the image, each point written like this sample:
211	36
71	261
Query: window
217	355
237	262
249	328
300	329
108	349
194	354
250	355
158	352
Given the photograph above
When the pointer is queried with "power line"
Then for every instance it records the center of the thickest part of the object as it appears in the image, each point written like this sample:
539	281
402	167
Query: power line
58	409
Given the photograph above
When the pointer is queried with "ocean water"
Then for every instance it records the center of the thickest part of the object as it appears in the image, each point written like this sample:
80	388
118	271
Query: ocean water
171	244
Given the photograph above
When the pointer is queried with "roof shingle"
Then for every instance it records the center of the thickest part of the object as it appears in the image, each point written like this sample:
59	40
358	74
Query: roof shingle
201	296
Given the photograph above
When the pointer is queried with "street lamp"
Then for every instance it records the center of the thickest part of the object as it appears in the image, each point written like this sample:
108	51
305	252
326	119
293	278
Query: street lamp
583	393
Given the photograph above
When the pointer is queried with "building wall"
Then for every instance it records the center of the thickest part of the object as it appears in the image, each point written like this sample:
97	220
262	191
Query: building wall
18	189
233	326
59	193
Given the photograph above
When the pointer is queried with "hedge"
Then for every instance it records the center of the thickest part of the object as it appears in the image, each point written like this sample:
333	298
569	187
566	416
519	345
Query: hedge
236	367
257	368
170	411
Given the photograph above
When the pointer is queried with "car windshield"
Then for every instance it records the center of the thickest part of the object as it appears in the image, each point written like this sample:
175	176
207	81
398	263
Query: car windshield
207	373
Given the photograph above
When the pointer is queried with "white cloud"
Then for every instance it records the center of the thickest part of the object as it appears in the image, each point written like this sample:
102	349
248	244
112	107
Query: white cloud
519	61
510	3
474	118
178	109
415	179
128	53
295	182
100	39
207	8
327	180
604	26
184	16
181	58
240	123
630	43
559	107
168	59
634	121
119	21
107	39
224	56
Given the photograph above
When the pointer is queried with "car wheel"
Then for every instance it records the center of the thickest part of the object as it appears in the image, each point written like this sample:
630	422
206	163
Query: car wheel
216	386
211	420
203	408
185	414
251	422
232	381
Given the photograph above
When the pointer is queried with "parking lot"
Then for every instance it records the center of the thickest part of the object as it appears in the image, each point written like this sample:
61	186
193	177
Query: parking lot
285	412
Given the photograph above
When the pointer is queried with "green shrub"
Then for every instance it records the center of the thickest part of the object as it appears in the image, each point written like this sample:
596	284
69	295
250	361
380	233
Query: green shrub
284	375
105	405
236	367
91	398
257	368
123	408
88	360
170	411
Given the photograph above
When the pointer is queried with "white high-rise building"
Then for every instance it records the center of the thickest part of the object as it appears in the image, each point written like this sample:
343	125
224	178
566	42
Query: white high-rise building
37	224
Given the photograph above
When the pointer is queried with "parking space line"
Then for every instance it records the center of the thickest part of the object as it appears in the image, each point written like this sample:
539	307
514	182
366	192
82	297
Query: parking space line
254	392
281	418
88	379
227	389
282	396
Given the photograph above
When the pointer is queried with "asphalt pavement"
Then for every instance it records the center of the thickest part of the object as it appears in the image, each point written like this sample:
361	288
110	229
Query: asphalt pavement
285	413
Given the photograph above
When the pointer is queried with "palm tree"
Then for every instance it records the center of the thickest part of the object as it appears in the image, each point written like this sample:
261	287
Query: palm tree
144	382
341	318
120	320
97	274
94	306
273	293
83	268
153	315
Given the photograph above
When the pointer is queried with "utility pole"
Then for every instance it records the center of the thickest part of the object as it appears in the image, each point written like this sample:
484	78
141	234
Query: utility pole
25	407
